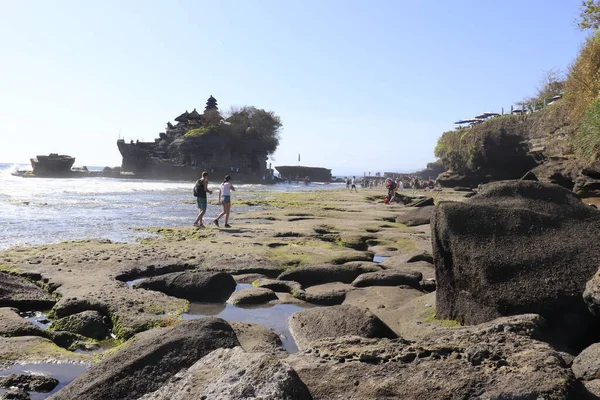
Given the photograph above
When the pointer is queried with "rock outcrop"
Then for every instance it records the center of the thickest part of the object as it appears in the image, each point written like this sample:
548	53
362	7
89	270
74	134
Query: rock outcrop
192	285
23	294
234	374
516	247
150	361
87	323
317	323
317	274
494	361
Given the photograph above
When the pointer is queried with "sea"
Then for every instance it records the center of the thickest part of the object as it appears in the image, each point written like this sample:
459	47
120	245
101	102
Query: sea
37	211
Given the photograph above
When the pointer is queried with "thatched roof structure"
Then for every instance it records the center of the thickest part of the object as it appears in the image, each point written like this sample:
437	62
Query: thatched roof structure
182	117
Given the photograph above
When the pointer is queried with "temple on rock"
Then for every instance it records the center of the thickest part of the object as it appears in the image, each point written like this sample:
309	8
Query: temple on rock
196	142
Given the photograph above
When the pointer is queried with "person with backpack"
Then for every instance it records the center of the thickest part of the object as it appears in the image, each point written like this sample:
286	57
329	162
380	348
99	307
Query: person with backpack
225	199
200	190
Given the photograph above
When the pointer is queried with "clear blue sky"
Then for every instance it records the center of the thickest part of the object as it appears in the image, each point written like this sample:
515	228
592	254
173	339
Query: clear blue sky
359	85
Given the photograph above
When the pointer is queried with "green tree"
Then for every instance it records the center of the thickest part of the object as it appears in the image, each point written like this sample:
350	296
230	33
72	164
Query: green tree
257	126
590	15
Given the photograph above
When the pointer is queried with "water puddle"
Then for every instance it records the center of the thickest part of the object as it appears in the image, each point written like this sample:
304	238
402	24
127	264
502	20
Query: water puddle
65	373
38	318
380	259
132	282
271	316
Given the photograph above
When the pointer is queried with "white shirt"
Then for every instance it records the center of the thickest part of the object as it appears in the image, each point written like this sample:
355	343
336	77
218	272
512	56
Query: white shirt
226	189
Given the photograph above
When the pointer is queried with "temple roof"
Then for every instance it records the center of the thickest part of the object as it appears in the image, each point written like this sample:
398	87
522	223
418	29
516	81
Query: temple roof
182	117
194	115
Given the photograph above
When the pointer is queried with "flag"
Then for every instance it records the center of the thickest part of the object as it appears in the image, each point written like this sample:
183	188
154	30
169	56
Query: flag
298	157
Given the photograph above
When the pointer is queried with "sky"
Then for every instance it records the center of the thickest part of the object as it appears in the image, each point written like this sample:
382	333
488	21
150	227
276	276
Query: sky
359	85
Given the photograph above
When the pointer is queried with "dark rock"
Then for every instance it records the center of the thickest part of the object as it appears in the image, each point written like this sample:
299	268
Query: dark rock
424	202
529	176
235	375
467	363
462	189
428	285
508	250
12	324
420	256
252	296
403	198
150	360
416	217
586	365
15	394
317	274
329	294
322	322
591	294
277	285
29	383
23	294
193	286
87	323
586	187
389	278
450	179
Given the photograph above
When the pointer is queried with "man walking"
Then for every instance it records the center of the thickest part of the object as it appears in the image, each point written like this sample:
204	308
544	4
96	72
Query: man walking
353	182
200	190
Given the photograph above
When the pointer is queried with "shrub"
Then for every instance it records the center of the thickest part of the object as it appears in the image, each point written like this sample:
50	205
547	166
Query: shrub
583	81
203	130
586	144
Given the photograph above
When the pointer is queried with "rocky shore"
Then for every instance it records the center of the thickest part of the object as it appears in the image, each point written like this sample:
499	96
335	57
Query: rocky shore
492	295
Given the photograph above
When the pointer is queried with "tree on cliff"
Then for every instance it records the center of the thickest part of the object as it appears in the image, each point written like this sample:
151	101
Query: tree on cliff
590	15
250	124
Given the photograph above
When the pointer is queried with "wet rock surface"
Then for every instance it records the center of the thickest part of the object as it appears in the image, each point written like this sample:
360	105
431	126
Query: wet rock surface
507	250
251	296
277	285
319	274
150	360
316	323
23	294
256	338
194	286
235	374
29	383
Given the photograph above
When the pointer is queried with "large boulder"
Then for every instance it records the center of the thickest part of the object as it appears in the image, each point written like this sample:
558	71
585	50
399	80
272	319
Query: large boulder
517	247
416	217
148	363
389	278
192	285
234	374
317	274
29	383
87	323
322	322
23	294
251	296
467	363
586	365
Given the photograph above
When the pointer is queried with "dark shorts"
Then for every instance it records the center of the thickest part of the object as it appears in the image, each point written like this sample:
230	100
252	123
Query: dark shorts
201	202
226	199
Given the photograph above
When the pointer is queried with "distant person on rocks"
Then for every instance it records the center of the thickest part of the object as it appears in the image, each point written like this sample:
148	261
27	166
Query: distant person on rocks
391	186
353	183
200	190
225	199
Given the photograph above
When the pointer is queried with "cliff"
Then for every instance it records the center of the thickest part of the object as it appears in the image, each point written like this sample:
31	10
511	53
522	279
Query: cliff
315	174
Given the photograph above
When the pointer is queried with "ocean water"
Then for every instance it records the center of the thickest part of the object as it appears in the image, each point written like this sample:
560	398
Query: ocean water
50	210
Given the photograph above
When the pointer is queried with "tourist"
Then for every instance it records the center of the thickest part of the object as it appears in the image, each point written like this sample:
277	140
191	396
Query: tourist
225	199
200	190
391	186
347	183
353	183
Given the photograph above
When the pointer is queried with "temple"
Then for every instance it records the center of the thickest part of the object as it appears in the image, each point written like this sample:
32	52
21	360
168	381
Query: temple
193	143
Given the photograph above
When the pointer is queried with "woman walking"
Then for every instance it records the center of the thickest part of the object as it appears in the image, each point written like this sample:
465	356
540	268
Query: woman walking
225	199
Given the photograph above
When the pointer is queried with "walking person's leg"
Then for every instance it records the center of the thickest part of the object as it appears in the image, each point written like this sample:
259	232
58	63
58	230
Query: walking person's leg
227	211
216	221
